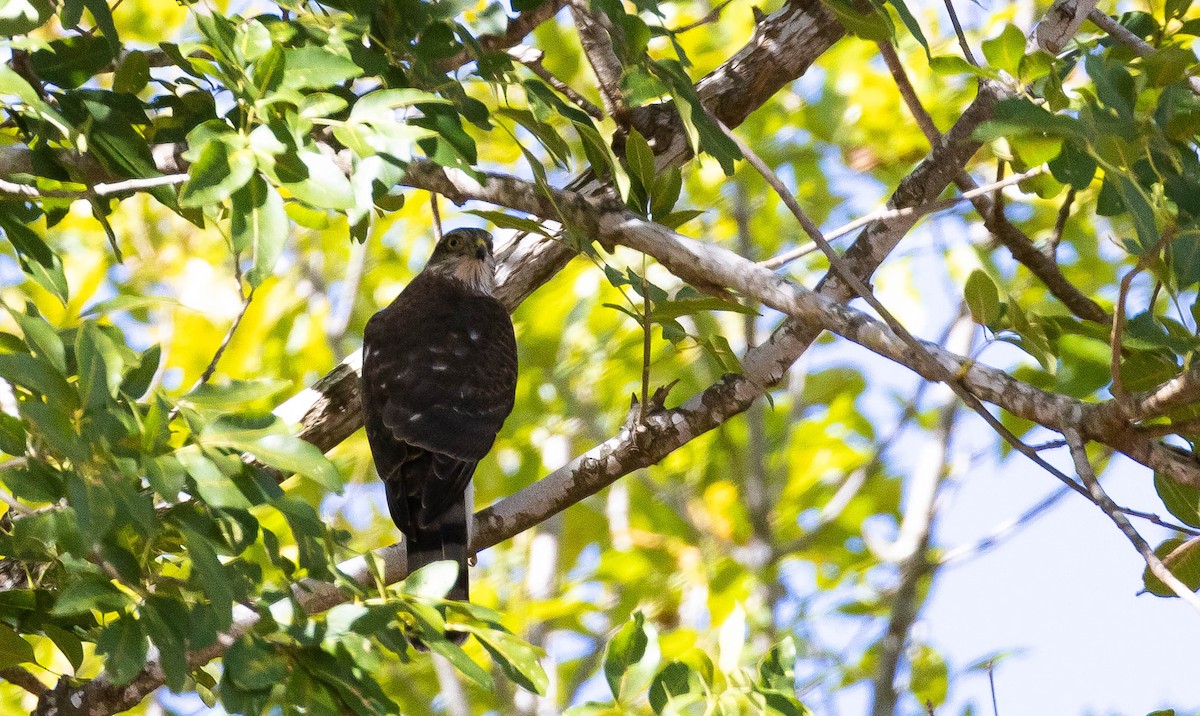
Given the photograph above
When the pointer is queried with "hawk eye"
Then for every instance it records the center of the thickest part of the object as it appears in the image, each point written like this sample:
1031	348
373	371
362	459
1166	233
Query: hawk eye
452	242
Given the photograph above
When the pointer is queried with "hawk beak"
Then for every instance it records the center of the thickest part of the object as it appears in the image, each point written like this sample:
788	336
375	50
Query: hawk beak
481	249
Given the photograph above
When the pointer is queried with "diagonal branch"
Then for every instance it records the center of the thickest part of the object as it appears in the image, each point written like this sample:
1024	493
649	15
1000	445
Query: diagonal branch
1157	568
1043	266
517	29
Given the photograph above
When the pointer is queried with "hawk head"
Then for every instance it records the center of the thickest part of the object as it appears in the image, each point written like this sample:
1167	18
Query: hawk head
465	256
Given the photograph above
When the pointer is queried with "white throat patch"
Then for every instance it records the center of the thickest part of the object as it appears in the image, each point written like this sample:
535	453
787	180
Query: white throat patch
477	276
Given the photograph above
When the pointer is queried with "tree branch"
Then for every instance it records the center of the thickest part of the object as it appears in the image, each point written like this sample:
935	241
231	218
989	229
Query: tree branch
1043	266
1126	37
517	29
598	49
1157	568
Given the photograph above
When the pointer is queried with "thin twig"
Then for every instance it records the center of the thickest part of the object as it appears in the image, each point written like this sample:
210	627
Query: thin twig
885	213
1126	37
212	364
532	59
1015	240
992	686
920	353
10	188
958	30
437	216
646	326
1120	395
711	17
1101	498
1006	529
1060	225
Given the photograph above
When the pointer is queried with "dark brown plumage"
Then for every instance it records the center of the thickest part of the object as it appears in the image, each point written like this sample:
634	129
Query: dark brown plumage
439	378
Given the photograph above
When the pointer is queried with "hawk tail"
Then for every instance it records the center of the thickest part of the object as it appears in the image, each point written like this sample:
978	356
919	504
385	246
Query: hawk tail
444	538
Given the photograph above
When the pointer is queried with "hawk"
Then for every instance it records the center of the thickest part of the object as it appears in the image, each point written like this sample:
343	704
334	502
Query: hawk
439	377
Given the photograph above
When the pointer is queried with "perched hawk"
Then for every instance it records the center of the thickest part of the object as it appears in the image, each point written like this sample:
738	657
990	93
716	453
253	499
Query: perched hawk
439	377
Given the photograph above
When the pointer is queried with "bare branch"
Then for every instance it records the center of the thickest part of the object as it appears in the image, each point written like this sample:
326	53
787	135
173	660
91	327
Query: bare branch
532	59
1004	530
1157	568
1019	245
517	29
1180	391
17	676
1126	37
906	599
212	365
884	213
711	17
1060	225
103	189
958	32
598	48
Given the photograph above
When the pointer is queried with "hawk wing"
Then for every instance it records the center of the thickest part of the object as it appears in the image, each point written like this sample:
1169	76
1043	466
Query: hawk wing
439	377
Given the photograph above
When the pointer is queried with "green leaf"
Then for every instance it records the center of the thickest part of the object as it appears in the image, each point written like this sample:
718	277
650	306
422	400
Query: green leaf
259	224
101	365
18	17
322	185
13	649
312	67
212	485
1004	52
456	656
955	65
133	74
930	676
983	298
667	310
69	644
1020	117
41	337
253	40
433	580
665	192
124	642
288	454
102	14
1073	166
517	659
625	652
219	171
253	665
639	157
674	680
1181	500
72	61
1182	558
1140	211
863	20
85	592
12	435
39	377
1114	84
322	104
913	25
26	241
234	392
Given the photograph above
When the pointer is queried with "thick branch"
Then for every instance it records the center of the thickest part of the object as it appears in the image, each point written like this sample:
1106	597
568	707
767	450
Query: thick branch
598	49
